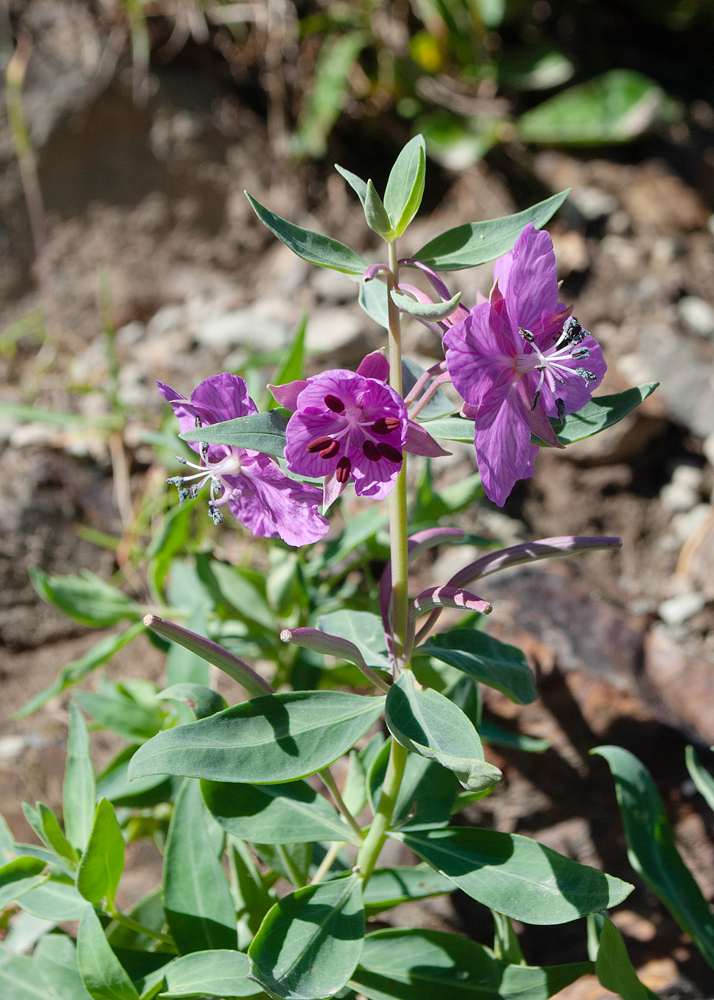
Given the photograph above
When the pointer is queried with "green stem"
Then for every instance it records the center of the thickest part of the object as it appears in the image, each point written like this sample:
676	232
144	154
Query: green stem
327	777
398	496
369	852
138	928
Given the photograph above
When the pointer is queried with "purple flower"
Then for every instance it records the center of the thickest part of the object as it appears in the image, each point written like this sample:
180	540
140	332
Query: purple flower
519	359
251	484
347	425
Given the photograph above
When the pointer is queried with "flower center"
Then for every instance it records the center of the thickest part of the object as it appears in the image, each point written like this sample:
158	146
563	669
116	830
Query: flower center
212	472
552	363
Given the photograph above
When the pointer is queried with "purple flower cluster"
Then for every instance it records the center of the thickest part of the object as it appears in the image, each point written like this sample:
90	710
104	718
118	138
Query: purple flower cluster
252	485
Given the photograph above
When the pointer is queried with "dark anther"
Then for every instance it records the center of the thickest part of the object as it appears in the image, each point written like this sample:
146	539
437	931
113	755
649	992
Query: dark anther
175	481
319	443
385	425
535	400
584	373
389	452
335	404
331	450
580	352
572	333
344	467
370	451
561	409
526	334
215	514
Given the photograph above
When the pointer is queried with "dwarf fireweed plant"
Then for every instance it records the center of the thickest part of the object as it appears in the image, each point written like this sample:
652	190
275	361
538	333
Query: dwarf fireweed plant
271	865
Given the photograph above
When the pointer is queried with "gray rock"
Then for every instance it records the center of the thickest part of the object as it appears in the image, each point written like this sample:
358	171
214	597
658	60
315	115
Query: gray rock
686	382
592	202
679	609
684	489
697	315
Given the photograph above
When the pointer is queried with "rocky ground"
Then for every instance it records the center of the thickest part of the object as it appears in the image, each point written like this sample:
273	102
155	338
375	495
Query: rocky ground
622	642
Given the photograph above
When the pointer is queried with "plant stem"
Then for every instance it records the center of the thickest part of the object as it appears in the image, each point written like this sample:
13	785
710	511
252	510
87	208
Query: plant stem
369	852
398	496
132	925
327	777
326	862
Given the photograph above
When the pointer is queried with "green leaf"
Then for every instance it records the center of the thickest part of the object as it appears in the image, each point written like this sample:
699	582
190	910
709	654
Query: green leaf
197	899
54	838
100	969
185	591
78	791
55	901
142	793
121	714
388	887
86	599
427	723
486	659
102	863
702	779
354	790
264	741
149	912
375	215
20	980
358	530
56	962
18	877
274	814
331	80
405	186
292	364
452	429
479	242
310	941
356	183
409	964
312	247
292	861
495	735
425	796
432	311
362	628
600	413
202	701
515	875
652	850
373	297
615	107
217	973
259	431
95	657
236	588
614	968
506	945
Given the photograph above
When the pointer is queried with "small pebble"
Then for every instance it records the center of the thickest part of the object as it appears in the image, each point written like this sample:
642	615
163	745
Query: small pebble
677	610
697	315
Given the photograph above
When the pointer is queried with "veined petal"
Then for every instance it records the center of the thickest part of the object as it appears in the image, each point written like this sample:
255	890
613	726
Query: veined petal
374	365
531	282
274	506
286	395
578	390
480	353
222	397
420	442
502	441
185	413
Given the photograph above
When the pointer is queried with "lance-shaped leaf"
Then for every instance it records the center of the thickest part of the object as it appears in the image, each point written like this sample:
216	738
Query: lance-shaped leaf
433	311
478	242
20	980
332	645
405	186
426	794
374	299
486	659
388	887
103	860
56	961
54	838
312	247
600	413
258	431
197	899
85	598
274	814
114	784
614	968
18	877
363	629
410	964
78	791
102	974
202	701
427	723
217	973
263	741
236	668
54	901
310	941
375	214
517	876
652	850
702	779
356	183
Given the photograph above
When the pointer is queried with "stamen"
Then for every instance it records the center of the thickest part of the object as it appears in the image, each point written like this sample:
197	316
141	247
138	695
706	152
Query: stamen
572	333
319	443
331	450
580	352
370	451
215	514
334	404
535	399
385	425
343	470
526	334
389	452
181	460
561	409
584	373
175	481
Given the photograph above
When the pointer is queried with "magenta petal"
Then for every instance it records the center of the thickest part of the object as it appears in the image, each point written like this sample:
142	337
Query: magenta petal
331	490
272	505
222	397
502	441
286	395
374	365
185	413
420	442
532	284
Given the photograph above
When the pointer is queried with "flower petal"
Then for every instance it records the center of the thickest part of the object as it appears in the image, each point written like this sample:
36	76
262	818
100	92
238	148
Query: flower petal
222	397
286	395
374	365
272	505
503	445
530	283
480	354
420	442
